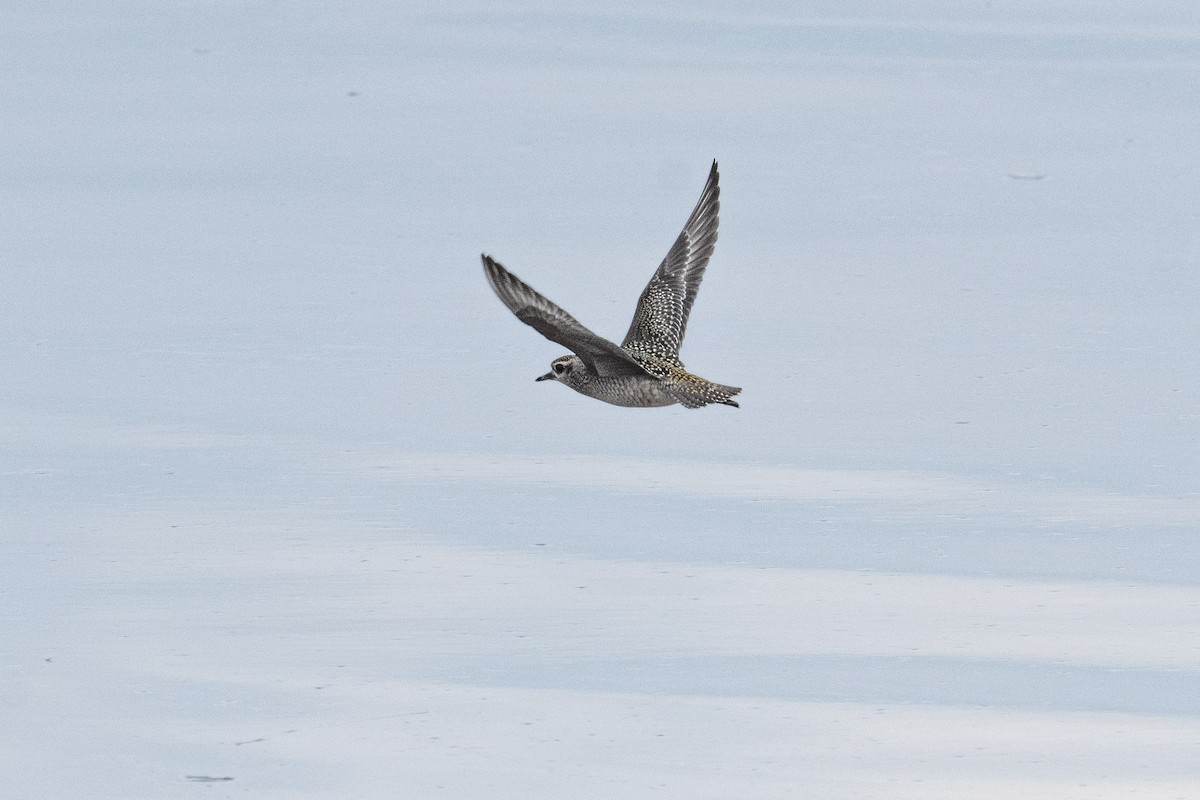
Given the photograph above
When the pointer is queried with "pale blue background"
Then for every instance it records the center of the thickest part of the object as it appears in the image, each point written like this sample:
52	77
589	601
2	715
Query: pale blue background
241	287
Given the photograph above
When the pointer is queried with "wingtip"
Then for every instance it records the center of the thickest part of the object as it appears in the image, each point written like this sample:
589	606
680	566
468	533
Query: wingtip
494	273
714	177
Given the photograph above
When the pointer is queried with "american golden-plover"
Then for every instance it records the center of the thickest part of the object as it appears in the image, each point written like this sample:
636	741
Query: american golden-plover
645	370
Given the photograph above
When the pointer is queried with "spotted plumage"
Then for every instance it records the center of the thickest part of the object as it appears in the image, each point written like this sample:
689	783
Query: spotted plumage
645	369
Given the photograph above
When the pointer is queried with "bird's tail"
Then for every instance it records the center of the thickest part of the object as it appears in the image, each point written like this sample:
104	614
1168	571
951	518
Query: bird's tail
692	391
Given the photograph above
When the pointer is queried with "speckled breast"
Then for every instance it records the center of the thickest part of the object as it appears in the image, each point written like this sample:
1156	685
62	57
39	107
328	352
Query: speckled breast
635	392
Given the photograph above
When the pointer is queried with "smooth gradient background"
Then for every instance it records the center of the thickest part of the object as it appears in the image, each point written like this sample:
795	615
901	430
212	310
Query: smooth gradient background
284	515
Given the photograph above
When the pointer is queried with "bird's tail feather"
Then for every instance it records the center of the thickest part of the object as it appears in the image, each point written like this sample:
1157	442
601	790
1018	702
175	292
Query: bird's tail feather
692	391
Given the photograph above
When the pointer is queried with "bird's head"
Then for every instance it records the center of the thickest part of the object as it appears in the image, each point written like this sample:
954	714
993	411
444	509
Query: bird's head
563	369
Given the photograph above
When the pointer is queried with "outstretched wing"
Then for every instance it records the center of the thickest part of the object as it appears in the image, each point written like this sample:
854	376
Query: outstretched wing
662	311
545	317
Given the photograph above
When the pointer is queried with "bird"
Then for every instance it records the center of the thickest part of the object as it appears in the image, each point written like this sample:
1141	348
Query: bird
644	371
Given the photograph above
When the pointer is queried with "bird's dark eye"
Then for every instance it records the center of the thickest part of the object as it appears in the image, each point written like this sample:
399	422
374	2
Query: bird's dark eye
559	369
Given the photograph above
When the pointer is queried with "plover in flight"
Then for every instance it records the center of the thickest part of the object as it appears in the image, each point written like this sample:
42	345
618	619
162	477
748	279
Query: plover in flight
645	369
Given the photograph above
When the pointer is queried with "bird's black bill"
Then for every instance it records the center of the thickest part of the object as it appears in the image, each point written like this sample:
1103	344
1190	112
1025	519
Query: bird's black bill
546	377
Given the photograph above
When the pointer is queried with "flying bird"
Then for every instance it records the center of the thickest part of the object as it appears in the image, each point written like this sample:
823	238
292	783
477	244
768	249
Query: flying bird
644	370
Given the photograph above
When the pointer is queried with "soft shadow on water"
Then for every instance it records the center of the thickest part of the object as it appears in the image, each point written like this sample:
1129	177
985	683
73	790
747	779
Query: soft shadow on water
863	679
669	510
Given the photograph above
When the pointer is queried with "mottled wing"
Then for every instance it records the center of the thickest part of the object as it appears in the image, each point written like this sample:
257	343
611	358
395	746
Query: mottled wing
662	311
557	325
